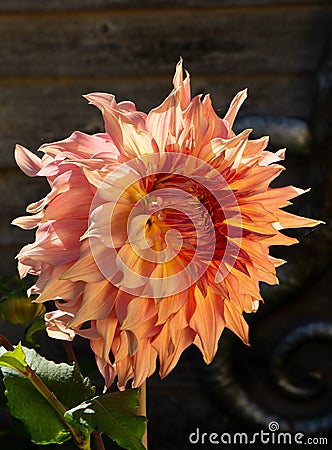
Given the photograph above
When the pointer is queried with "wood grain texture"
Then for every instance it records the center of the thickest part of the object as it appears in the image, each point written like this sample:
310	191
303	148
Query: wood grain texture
8	266
73	5
149	42
16	192
31	114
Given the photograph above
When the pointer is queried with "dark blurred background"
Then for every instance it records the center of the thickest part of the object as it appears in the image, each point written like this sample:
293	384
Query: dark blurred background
52	52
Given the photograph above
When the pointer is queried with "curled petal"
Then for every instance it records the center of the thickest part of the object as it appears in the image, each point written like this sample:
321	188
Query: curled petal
29	222
28	162
56	325
165	120
235	106
182	86
208	322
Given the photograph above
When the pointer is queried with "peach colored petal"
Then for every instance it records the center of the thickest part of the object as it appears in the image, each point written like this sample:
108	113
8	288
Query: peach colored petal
113	114
28	162
85	268
75	204
235	106
125	372
136	142
138	310
144	362
170	305
288	220
275	198
169	350
108	370
207	322
135	269
235	321
165	119
56	326
270	158
106	329
28	222
98	302
59	289
55	243
255	148
196	118
182	86
80	145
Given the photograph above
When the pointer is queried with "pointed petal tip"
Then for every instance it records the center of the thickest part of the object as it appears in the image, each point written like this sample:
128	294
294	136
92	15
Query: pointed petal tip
300	191
281	153
163	374
99	99
27	161
244	92
86	96
15	222
89	98
247	131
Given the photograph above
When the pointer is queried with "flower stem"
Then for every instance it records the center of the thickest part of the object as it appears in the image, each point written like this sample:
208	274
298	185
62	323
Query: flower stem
141	411
5	343
70	353
98	440
85	445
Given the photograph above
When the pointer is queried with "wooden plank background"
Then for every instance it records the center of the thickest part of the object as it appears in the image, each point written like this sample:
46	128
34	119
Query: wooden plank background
148	42
53	52
74	5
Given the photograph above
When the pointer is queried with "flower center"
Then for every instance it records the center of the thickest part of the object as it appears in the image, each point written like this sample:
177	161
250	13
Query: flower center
185	205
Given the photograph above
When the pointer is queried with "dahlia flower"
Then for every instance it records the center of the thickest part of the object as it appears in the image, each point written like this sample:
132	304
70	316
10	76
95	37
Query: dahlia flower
155	234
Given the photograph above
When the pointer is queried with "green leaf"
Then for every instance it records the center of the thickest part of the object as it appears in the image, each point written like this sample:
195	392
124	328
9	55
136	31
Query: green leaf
113	414
13	359
37	325
25	403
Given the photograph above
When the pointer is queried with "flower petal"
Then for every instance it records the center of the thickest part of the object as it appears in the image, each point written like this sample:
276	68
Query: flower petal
235	106
165	119
28	162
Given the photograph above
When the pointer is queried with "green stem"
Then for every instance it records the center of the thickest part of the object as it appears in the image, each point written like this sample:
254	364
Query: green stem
85	444
54	402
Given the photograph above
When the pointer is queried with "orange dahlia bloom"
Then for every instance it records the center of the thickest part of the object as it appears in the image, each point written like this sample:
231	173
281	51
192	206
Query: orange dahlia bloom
155	234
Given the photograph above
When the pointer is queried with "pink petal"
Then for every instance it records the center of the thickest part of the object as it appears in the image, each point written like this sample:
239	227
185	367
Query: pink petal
28	222
164	120
98	301
235	106
28	162
56	325
182	86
